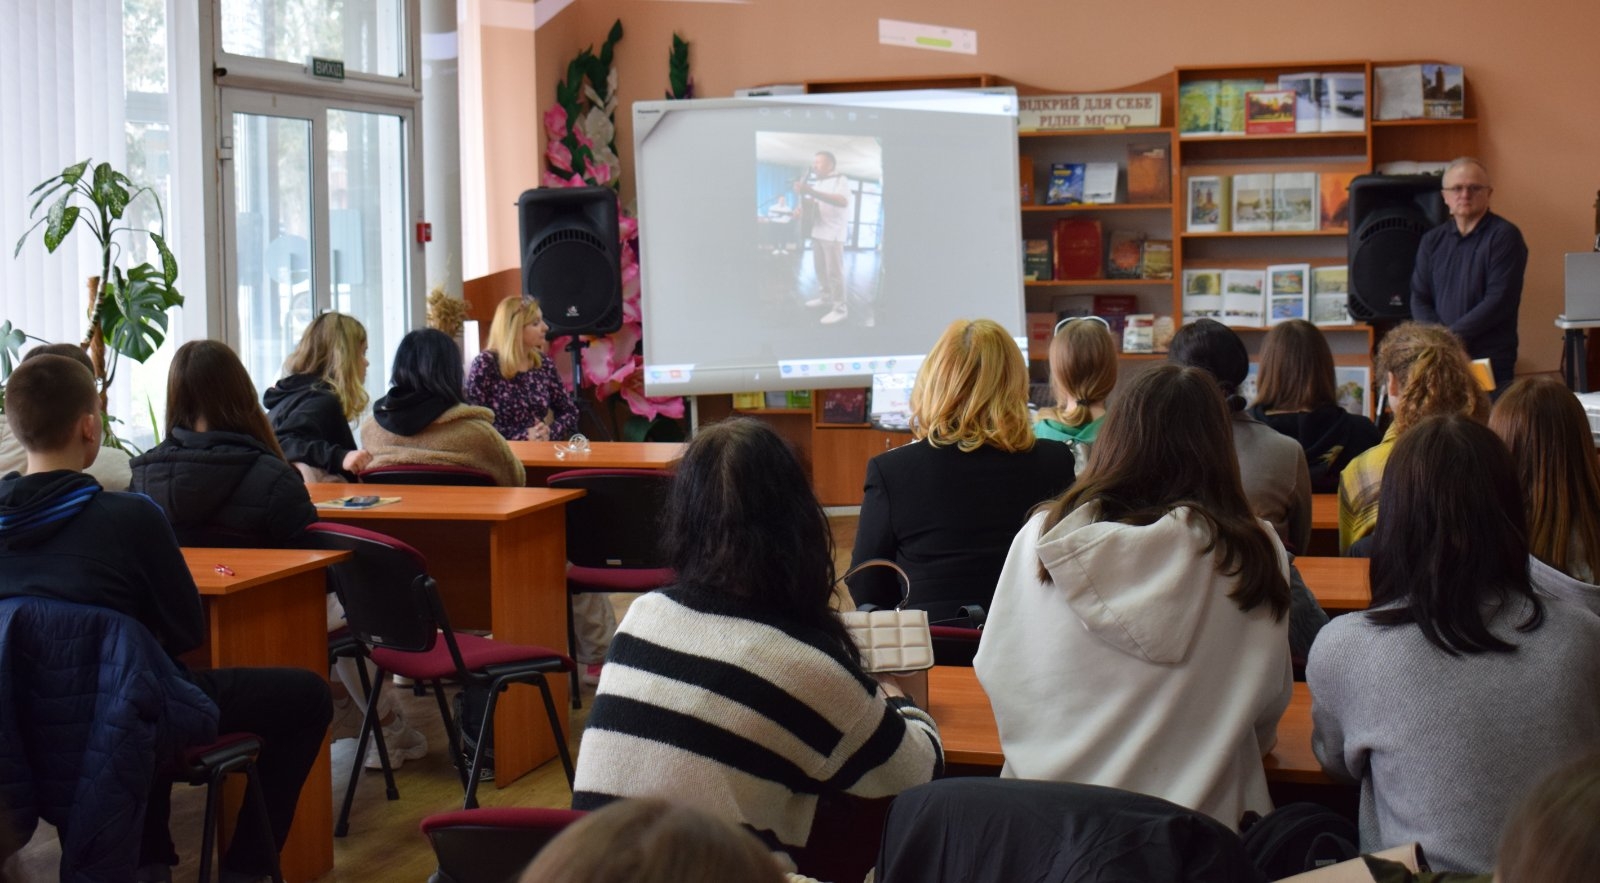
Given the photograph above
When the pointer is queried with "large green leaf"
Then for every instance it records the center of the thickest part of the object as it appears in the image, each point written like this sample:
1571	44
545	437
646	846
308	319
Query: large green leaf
10	348
72	173
23	239
59	223
45	191
134	318
108	191
169	264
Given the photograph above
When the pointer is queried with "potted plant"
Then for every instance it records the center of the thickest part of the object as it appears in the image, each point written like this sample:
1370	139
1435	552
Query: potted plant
127	307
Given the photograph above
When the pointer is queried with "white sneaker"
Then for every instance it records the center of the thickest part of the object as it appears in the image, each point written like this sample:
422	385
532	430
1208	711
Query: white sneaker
404	743
816	302
837	314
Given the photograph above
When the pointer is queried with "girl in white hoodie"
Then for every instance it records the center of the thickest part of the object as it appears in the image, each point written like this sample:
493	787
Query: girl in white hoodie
1138	633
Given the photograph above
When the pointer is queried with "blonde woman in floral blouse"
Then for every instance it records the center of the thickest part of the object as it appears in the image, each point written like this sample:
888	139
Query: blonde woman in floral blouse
513	378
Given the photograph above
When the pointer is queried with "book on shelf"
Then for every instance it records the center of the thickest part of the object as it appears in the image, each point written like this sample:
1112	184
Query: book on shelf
1294	201
1162	332
1307	100
1149	173
1444	92
1100	183
1330	296
1078	248
1138	335
1231	104
749	401
1333	200
1041	330
1242	298
1288	290
1025	176
1202	295
1067	306
1419	91
778	399
1197	108
1066	184
1208	205
1155	259
844	405
1353	385
1344	108
1269	112
1123	254
1036	266
1252	202
1115	309
799	399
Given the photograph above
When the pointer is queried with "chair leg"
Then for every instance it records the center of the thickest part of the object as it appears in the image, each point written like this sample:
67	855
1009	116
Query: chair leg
485	727
452	731
342	826
208	832
555	729
572	649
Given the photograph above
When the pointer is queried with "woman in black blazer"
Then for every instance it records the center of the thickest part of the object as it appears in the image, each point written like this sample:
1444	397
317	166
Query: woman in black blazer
947	506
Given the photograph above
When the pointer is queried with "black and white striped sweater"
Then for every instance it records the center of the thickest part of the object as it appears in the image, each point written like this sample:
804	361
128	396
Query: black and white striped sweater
707	701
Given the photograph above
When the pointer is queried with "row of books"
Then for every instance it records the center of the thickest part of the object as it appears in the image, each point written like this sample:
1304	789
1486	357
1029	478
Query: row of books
1128	255
752	401
1322	102
1134	331
1258	298
1263	202
1149	179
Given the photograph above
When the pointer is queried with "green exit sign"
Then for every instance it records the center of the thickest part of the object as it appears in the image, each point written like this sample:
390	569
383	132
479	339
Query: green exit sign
327	68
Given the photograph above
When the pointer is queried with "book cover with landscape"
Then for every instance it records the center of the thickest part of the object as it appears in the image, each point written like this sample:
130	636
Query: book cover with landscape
1294	201
1124	254
1288	286
1443	92
1231	104
1197	108
1307	90
1269	112
1334	199
1252	203
1149	173
1202	295
1207	204
1242	298
1330	296
1345	105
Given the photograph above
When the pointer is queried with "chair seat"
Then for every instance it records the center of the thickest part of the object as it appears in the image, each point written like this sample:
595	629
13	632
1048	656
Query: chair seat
618	579
198	761
476	653
502	817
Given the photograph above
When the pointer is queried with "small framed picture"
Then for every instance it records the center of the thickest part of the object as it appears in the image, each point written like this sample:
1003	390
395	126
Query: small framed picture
1269	112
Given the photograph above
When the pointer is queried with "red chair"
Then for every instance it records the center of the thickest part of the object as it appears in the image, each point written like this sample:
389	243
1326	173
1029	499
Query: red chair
392	606
434	475
613	535
491	845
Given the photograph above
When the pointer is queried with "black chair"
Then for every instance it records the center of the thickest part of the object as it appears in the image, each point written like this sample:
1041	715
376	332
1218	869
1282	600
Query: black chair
209	765
433	475
491	845
613	535
393	607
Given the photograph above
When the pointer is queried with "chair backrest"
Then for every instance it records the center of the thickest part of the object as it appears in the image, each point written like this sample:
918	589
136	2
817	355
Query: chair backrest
491	845
617	523
389	599
441	474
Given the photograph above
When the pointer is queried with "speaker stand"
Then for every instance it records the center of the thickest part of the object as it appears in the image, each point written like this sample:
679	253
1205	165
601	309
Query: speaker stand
575	347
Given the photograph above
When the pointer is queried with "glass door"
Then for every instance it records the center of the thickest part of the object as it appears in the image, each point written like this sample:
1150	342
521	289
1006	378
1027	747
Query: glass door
315	202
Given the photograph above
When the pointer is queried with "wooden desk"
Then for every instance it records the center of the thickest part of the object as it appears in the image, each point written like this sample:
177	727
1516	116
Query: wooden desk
1341	585
1325	512
272	612
967	728
500	558
539	458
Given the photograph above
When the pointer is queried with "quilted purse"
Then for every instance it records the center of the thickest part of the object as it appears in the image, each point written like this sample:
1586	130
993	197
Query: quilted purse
894	640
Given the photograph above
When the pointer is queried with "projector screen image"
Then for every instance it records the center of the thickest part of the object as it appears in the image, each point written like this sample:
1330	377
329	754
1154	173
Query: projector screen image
814	241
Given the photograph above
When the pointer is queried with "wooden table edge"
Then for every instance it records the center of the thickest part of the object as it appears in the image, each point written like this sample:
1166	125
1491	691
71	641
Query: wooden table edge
546	498
201	560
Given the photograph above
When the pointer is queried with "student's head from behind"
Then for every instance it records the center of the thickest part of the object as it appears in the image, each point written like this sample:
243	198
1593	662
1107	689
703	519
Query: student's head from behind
52	407
972	390
742	521
334	348
1214	347
428	361
1452	539
517	335
1083	367
1144	466
649	840
1427	374
1554	836
208	389
1296	369
1552	448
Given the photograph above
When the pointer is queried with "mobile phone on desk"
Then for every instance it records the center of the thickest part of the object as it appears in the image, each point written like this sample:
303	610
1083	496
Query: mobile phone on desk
360	502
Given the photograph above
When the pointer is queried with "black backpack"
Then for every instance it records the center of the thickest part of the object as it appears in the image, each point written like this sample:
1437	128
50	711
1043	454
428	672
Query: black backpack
1298	837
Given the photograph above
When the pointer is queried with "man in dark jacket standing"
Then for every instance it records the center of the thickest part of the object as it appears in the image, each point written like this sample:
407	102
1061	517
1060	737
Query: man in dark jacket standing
62	536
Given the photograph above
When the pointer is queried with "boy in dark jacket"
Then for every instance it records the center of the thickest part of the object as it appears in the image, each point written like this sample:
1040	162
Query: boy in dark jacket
62	536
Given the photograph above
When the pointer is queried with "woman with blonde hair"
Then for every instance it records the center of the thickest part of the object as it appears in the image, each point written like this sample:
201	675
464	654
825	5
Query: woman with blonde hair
1297	395
1083	370
311	408
516	380
946	506
1425	373
1552	447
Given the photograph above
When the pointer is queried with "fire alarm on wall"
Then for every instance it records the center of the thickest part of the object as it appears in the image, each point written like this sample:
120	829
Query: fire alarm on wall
424	232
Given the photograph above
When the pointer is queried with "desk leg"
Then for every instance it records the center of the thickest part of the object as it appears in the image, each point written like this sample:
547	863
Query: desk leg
528	567
285	624
1575	359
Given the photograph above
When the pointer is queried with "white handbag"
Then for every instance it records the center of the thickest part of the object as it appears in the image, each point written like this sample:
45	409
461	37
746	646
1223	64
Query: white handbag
895	640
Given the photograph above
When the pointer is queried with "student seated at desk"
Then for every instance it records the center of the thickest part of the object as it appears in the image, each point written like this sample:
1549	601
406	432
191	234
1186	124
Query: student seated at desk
1297	395
1542	423
311	409
425	420
738	689
1083	371
62	536
1138	637
946	506
1463	685
110	468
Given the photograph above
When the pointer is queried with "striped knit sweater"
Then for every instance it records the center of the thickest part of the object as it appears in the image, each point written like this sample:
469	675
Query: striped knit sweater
706	700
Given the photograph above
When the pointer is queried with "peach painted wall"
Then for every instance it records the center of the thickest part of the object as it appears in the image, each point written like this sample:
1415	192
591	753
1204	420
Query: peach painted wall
1532	67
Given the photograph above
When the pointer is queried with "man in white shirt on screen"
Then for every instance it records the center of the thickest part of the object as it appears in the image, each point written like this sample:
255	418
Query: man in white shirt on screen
829	192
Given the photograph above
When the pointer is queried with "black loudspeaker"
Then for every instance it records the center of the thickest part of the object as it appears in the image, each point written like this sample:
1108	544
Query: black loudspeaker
571	260
1388	215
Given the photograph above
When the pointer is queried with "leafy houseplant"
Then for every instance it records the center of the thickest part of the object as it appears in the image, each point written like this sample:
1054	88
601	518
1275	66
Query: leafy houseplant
127	307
